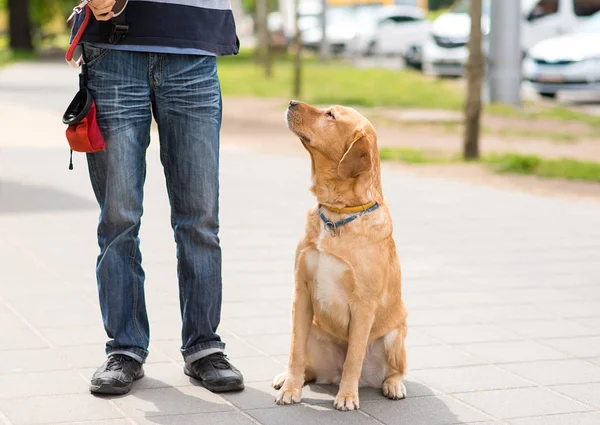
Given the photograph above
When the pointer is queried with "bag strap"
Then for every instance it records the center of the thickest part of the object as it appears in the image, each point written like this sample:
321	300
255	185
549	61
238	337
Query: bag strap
120	28
75	63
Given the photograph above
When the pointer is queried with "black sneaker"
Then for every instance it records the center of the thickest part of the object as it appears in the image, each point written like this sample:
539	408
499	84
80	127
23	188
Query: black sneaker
216	373
116	375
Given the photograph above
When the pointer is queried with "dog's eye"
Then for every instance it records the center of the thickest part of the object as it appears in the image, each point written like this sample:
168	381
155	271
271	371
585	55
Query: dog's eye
330	114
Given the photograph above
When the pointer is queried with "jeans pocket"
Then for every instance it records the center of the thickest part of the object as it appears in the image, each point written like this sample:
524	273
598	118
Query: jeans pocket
93	54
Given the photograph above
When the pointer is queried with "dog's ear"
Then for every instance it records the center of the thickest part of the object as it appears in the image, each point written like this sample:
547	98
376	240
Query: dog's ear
357	158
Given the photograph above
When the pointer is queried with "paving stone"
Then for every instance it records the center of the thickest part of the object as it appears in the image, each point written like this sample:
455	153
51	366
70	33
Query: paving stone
16	385
520	402
21	339
273	345
463	333
437	410
571	371
586	393
57	408
592	418
258	369
170	401
512	351
578	347
552	328
418	317
470	378
25	361
317	414
436	356
251	326
75	335
261	395
221	418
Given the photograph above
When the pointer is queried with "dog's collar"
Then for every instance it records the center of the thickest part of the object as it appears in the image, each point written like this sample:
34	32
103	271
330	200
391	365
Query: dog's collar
358	208
331	226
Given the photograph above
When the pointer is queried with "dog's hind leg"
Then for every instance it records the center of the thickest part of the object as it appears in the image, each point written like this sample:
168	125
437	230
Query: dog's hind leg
324	360
395	351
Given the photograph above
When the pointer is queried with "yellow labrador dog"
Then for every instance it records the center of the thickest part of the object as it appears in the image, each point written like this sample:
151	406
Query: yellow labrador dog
349	321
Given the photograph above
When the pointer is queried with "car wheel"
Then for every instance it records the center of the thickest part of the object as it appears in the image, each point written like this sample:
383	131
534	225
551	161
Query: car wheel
548	95
372	49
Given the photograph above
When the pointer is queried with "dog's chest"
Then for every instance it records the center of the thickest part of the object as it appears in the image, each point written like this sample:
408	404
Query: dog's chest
327	275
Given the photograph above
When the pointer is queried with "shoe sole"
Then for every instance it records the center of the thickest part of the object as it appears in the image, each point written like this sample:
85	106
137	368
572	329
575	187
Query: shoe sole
108	387
232	386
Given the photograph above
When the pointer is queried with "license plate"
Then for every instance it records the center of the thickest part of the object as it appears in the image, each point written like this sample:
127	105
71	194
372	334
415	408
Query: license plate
550	78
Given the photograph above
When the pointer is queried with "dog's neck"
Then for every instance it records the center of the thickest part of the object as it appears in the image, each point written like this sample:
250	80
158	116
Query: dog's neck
362	190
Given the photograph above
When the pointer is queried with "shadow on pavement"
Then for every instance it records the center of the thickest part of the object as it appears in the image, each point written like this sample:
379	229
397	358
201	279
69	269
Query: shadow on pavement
25	198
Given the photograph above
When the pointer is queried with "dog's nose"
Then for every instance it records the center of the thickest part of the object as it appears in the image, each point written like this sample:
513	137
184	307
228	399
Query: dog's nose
294	103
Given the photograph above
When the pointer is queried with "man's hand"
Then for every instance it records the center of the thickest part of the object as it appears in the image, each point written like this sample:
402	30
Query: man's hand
102	9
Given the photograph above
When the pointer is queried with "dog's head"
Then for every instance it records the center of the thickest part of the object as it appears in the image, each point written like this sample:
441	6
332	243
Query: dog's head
343	148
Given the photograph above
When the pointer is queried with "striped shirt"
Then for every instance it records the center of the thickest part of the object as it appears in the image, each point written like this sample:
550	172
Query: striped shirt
203	27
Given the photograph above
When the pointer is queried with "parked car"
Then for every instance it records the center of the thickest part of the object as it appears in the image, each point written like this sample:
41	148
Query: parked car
390	31
344	23
445	52
566	63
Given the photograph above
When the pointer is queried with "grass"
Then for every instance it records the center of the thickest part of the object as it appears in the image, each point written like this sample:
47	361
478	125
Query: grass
416	156
565	168
8	56
337	83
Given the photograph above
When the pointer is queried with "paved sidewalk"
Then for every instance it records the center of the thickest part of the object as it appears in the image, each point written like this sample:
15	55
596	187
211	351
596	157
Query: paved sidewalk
503	291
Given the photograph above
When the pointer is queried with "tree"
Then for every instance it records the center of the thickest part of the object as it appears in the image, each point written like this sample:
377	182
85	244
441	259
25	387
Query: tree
263	36
298	54
19	25
474	72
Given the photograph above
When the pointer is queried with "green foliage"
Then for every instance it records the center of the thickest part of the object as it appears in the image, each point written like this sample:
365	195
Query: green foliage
533	165
250	5
415	156
572	169
440	4
337	83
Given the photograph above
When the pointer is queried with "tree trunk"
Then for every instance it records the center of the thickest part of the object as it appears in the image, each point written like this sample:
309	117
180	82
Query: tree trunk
324	48
298	55
20	25
263	36
474	73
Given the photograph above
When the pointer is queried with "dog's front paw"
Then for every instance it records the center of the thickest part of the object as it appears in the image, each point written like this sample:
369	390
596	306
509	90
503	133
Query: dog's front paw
289	396
394	389
279	380
345	402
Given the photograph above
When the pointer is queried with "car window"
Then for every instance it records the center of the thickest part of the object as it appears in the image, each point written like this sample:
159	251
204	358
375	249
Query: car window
399	19
586	7
591	25
542	9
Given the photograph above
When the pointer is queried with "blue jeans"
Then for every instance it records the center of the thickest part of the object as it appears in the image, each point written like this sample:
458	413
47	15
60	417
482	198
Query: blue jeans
183	94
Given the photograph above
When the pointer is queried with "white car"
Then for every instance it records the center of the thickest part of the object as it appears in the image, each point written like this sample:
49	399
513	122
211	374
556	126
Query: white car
343	24
566	63
445	52
390	31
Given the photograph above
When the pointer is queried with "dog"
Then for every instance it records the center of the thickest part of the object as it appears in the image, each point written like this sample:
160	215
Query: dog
348	317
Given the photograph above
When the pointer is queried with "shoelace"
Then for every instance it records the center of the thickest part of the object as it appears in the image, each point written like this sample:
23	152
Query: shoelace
219	361
116	362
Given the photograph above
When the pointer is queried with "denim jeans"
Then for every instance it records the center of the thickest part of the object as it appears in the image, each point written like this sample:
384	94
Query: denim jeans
183	94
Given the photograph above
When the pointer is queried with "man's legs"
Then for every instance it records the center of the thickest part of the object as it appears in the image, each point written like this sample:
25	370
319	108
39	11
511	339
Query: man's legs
187	107
119	84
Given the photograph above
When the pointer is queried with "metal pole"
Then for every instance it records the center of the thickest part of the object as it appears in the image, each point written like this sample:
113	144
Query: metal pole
505	52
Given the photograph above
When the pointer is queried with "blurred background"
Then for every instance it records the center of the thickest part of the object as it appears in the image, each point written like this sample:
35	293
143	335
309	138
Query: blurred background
535	72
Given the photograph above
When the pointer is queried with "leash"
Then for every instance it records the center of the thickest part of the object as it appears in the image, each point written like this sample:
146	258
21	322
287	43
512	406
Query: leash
331	226
71	51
